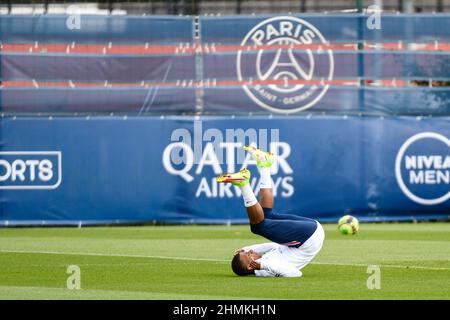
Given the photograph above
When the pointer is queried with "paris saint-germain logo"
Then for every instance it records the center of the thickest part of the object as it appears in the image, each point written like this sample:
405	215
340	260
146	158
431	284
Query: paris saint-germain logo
290	67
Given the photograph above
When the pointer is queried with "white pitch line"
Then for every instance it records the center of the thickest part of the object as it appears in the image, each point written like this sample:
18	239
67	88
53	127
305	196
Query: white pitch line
381	265
206	259
112	255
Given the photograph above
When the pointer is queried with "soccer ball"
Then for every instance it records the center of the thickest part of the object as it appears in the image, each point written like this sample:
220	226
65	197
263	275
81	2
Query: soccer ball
348	225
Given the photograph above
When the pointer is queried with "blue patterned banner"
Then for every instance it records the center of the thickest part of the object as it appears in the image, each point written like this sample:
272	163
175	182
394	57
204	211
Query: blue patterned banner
117	170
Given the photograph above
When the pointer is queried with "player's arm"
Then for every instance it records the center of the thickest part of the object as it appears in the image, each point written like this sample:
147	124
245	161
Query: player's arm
275	269
261	248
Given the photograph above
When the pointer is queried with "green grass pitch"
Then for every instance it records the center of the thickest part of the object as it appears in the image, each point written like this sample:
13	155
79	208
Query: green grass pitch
193	262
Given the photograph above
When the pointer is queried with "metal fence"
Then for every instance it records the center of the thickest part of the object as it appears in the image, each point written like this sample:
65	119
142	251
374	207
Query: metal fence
331	63
199	7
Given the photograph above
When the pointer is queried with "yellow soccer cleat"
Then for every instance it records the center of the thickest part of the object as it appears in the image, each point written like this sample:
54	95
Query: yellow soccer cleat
239	179
263	159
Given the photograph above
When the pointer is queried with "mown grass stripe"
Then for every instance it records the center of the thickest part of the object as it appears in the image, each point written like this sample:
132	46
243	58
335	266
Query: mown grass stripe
206	259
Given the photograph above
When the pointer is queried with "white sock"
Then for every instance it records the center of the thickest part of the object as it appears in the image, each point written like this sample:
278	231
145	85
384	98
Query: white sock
249	196
265	182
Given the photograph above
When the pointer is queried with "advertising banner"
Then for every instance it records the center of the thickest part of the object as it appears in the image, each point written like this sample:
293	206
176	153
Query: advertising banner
124	170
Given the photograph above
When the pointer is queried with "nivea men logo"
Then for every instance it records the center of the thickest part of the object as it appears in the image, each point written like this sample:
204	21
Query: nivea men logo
30	169
422	168
277	65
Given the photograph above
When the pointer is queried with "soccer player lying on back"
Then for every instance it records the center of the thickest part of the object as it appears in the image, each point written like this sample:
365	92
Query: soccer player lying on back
296	240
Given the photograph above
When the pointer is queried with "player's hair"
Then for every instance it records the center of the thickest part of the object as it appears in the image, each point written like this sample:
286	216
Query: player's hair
238	267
